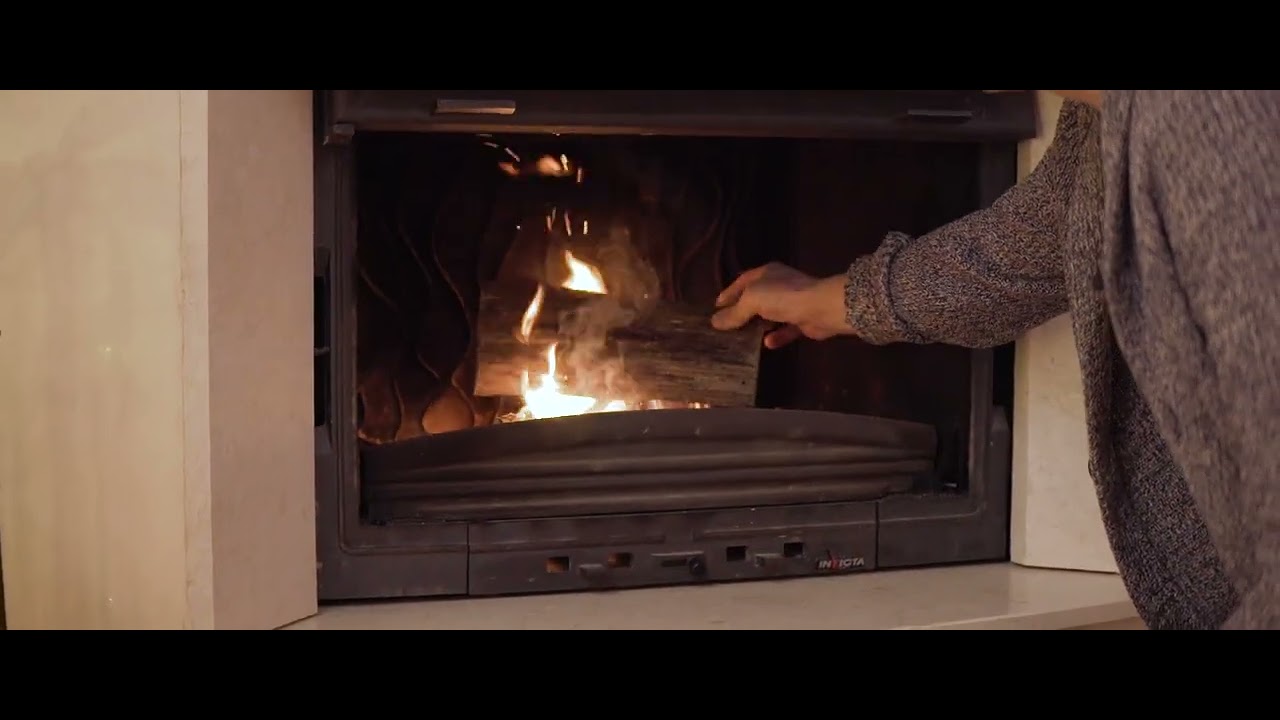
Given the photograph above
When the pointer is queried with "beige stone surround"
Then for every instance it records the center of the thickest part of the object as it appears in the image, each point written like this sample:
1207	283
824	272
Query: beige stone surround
156	440
156	466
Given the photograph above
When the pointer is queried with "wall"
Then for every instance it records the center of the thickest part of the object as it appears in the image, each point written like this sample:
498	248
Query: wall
1056	522
155	333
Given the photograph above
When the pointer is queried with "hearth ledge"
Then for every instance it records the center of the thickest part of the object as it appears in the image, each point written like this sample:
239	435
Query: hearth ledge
997	596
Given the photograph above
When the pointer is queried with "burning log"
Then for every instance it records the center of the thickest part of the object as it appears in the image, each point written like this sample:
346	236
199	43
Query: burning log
666	352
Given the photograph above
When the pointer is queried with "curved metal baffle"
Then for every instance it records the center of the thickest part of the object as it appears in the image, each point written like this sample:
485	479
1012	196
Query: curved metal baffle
646	461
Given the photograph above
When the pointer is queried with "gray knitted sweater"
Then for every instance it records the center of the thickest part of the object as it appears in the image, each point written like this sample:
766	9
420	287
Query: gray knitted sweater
1156	223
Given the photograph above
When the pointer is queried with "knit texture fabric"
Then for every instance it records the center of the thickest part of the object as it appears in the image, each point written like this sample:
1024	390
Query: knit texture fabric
1156	223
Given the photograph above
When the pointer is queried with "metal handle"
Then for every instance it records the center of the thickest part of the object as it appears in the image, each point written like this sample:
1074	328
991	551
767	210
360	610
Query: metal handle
763	559
695	562
454	106
942	117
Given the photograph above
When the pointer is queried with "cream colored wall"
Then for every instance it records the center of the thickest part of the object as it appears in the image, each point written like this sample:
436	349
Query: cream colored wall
155	332
1055	520
91	360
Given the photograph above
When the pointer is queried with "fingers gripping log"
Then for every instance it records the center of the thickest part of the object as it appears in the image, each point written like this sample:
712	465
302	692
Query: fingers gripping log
666	352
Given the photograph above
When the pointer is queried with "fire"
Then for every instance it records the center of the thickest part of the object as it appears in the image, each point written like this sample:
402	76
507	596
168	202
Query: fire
543	395
546	398
583	277
531	315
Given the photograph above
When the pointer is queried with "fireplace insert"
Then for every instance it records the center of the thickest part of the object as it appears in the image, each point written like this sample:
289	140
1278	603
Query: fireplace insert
517	388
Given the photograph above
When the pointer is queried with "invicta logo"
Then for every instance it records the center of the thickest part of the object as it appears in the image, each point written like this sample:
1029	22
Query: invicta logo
832	563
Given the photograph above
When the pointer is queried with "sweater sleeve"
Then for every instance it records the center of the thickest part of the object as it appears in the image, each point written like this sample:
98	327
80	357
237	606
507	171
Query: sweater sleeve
986	278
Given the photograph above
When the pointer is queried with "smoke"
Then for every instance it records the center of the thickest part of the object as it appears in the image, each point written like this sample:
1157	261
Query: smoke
585	357
633	290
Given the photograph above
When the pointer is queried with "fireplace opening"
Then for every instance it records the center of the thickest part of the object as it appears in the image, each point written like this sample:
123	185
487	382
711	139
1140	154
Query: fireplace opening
518	388
442	218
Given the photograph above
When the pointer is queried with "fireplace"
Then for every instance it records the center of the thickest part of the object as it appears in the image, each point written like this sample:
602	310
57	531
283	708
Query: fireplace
516	386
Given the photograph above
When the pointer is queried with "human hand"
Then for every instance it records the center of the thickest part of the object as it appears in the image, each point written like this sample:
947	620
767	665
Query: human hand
805	306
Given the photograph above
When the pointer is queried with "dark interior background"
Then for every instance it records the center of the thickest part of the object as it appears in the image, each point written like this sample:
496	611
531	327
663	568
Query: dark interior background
436	215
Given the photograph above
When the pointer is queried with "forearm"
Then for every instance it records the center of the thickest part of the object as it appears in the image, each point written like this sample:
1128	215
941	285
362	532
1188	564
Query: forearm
951	287
986	278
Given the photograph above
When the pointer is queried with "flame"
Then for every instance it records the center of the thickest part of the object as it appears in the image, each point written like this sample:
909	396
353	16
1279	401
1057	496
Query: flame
546	398
531	315
583	277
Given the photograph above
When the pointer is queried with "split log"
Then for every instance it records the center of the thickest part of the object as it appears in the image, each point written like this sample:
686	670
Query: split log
667	352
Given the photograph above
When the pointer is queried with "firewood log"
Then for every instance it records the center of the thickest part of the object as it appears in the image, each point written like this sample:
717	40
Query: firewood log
667	351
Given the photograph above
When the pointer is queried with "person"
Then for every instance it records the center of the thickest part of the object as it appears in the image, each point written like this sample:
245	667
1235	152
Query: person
1154	218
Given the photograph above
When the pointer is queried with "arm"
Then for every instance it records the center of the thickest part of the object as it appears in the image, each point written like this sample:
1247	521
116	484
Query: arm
1195	292
986	278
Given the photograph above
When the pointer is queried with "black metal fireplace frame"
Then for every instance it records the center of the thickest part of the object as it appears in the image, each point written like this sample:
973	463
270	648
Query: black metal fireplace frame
358	559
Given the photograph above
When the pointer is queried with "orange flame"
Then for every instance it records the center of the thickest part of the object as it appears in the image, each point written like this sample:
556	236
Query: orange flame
531	315
583	277
546	399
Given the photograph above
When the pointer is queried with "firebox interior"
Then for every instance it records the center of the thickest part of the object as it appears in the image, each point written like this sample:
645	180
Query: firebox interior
439	213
